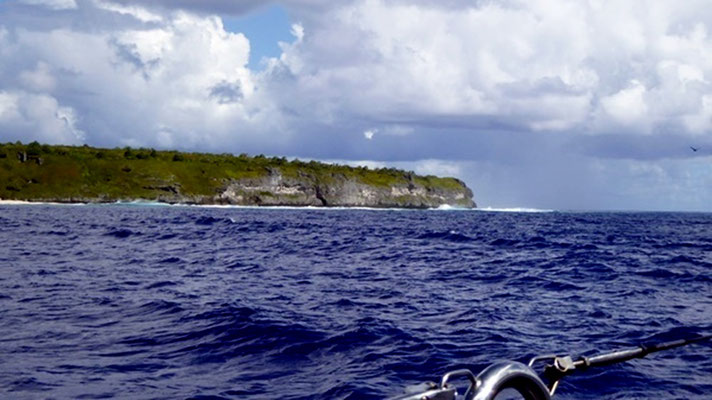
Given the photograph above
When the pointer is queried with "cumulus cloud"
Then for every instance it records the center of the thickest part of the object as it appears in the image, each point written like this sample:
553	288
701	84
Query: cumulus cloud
39	79
576	66
173	80
40	117
628	105
509	86
438	168
137	12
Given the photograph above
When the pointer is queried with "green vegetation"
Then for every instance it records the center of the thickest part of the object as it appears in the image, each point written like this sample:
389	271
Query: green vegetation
69	173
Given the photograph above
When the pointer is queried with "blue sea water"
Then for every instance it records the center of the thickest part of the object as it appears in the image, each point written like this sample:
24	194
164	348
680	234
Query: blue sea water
145	302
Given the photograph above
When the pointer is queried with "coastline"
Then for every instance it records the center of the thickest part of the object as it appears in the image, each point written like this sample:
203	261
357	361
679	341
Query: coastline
71	174
4	202
147	203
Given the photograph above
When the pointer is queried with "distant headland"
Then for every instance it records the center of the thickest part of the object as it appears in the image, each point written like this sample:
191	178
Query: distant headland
82	174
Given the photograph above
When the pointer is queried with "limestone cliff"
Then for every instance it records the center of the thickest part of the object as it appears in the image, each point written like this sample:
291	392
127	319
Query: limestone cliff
339	191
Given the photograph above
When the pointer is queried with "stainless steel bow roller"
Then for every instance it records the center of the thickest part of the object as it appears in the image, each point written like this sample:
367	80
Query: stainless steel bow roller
515	376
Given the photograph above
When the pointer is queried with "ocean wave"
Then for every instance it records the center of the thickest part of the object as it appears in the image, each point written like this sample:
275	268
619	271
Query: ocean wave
190	302
514	210
35	203
449	207
452	236
140	203
121	233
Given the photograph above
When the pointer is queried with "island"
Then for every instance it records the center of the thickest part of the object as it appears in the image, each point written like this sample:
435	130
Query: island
37	172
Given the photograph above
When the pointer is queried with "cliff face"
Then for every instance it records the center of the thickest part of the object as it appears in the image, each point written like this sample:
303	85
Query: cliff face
339	191
84	174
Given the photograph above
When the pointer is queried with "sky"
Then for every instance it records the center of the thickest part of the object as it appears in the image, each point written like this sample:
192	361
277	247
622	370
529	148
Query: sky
550	104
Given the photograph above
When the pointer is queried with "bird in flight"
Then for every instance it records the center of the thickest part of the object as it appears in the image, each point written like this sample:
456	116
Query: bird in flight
694	149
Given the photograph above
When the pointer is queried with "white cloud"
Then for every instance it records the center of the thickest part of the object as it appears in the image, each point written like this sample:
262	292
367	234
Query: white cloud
438	168
53	4
8	107
137	12
69	118
582	66
39	79
360	163
577	66
40	116
507	93
181	81
628	105
298	32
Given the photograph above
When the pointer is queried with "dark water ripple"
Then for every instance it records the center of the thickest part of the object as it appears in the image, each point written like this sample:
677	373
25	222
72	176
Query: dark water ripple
175	302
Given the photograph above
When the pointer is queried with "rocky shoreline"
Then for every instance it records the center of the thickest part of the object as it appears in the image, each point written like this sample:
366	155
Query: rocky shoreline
276	190
93	175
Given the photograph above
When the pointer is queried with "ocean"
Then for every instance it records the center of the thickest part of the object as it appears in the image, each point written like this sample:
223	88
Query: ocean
175	302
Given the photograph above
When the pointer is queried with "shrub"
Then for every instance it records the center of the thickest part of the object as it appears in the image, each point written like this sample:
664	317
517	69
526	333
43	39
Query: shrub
34	149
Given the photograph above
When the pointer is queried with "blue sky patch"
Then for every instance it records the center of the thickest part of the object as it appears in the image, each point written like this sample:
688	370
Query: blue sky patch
264	28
